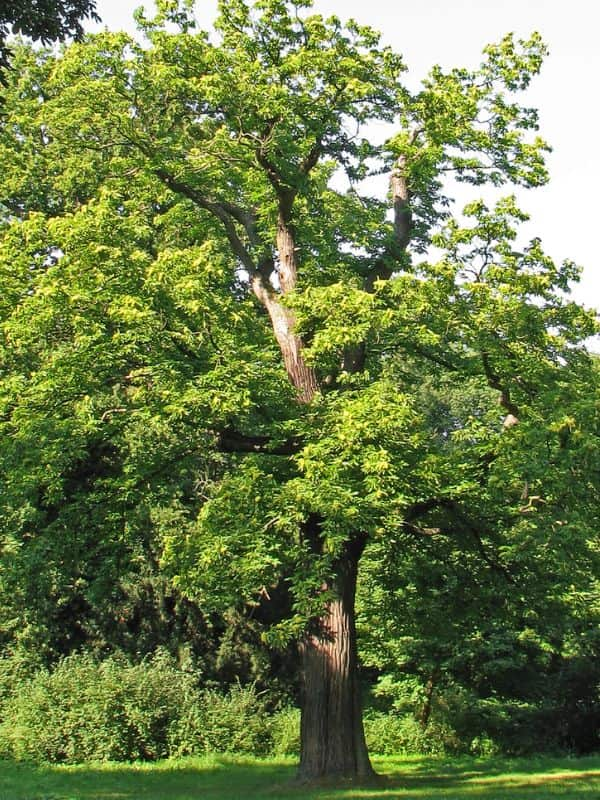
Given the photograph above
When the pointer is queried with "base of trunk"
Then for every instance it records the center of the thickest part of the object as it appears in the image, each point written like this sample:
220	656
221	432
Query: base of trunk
372	780
333	747
330	780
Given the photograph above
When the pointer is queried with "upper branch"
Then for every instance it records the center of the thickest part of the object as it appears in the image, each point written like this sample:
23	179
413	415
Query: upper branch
312	157
226	213
401	203
400	197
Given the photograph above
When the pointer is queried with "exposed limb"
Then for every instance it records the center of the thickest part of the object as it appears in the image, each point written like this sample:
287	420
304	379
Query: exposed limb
286	248
400	196
312	157
270	171
218	210
283	319
401	204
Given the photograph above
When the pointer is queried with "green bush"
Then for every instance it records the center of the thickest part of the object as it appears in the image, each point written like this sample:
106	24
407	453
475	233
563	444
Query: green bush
14	671
233	723
394	734
86	710
285	732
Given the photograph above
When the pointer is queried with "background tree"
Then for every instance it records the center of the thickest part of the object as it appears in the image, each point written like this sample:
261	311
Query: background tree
495	649
209	303
47	21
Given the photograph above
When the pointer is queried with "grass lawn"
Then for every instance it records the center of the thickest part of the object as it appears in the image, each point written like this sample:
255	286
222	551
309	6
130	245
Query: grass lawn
249	779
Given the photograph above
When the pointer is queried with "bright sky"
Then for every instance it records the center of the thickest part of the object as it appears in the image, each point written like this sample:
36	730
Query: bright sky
453	33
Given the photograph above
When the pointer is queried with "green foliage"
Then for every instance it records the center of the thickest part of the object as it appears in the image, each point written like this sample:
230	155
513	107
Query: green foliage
217	723
463	626
393	734
85	710
55	19
49	21
90	710
285	732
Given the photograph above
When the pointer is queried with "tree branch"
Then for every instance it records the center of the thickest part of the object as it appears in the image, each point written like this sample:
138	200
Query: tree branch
400	195
225	213
312	158
419	509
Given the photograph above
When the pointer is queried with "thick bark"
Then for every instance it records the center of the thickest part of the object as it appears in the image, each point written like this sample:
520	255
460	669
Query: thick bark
401	197
286	247
401	204
332	737
430	687
282	319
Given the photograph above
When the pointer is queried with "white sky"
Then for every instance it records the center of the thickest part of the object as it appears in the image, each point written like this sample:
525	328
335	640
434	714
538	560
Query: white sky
452	33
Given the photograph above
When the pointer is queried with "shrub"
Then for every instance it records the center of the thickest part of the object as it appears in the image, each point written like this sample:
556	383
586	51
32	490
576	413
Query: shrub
86	710
285	732
14	671
233	723
390	734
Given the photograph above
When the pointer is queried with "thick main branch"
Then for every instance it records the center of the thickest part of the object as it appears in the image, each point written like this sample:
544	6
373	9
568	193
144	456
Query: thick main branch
283	321
282	318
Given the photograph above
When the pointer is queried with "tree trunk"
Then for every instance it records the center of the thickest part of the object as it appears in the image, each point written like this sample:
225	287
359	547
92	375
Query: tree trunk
332	737
301	376
425	714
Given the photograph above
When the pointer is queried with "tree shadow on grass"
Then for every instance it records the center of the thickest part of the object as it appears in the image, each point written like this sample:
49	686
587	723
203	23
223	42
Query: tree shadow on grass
540	778
239	779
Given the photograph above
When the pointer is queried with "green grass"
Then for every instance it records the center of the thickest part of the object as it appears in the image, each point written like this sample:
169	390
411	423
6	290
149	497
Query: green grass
250	779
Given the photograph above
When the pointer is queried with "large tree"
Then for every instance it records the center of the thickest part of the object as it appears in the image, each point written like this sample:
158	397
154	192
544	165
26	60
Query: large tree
205	266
